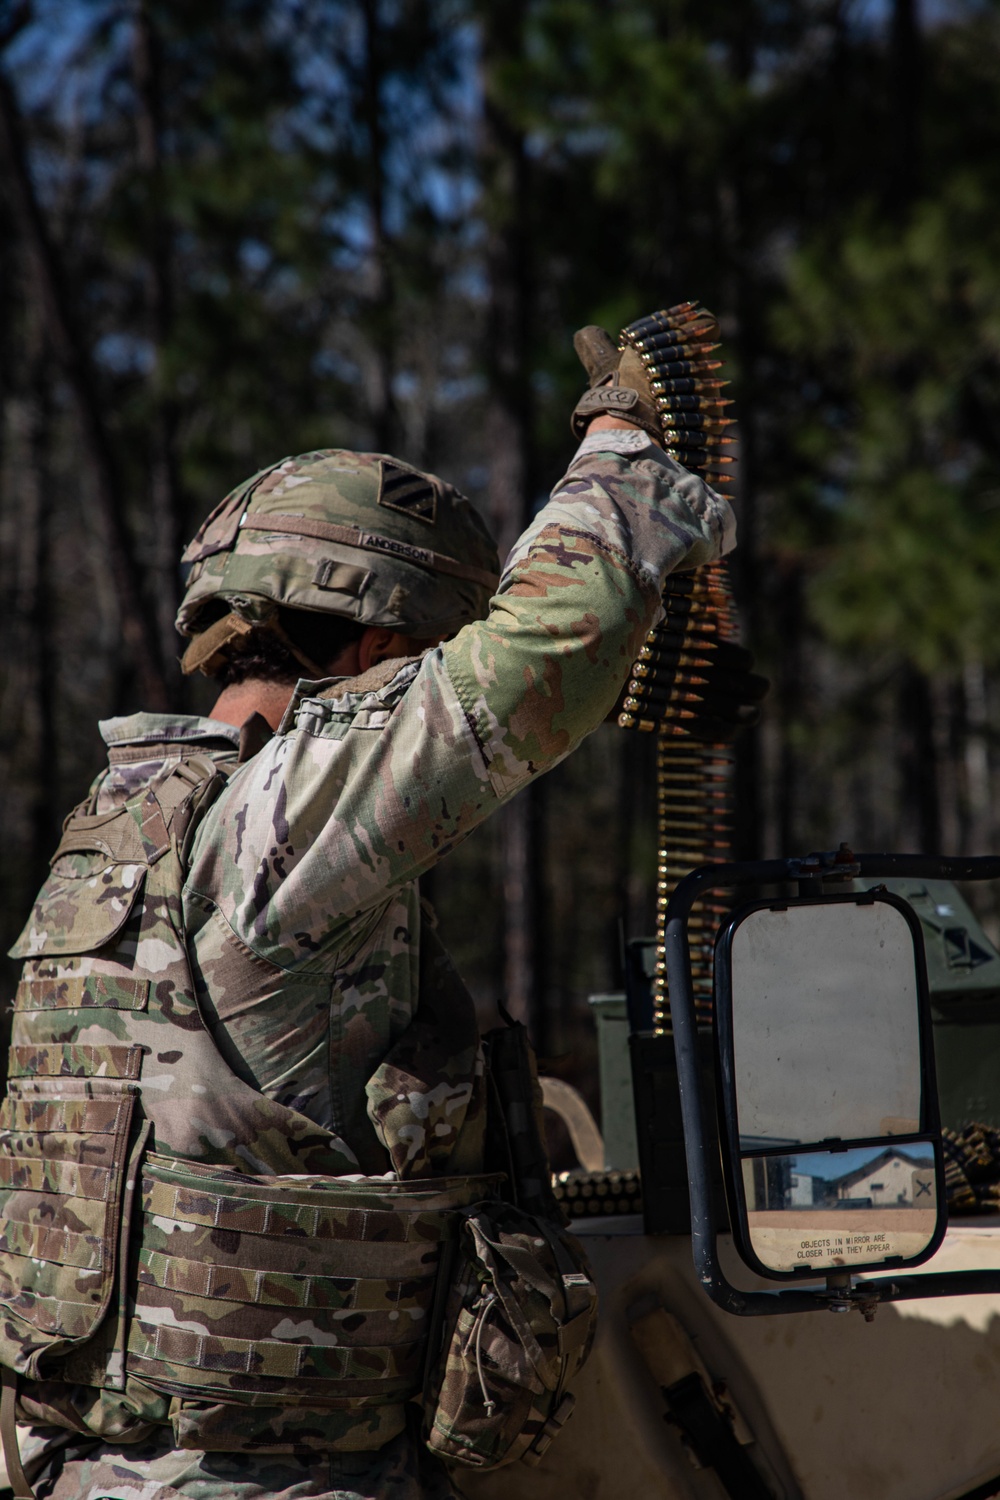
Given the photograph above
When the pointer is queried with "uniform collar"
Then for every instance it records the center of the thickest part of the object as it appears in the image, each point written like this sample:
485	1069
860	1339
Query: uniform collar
159	729
385	683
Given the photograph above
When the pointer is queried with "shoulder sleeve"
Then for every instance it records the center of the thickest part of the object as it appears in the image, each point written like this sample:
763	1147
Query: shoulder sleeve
578	594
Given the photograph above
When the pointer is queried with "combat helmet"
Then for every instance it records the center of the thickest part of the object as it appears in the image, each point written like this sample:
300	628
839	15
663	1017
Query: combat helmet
359	535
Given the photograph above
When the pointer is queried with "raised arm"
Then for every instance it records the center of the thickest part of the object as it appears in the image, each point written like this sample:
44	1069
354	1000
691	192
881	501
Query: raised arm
365	789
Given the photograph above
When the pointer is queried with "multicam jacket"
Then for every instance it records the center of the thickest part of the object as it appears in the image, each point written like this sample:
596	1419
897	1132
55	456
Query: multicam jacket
318	982
301	901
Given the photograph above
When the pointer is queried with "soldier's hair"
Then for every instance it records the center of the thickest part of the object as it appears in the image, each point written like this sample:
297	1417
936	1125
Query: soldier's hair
263	657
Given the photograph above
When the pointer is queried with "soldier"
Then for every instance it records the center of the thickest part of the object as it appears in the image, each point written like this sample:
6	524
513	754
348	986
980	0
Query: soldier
234	1029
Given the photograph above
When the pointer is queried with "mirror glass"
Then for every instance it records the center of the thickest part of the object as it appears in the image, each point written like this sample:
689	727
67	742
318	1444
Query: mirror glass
825	1025
817	1210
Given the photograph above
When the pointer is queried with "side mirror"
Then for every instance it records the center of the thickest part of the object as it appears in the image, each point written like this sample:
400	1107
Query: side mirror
829	1109
829	1132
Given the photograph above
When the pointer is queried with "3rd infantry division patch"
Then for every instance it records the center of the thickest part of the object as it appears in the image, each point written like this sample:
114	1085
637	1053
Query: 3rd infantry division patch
412	494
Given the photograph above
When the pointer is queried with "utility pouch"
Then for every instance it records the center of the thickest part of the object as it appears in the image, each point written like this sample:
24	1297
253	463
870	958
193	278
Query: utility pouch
63	1151
66	1125
521	1304
518	1323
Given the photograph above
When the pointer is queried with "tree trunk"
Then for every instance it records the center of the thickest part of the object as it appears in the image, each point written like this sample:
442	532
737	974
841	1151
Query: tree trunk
921	803
945	728
789	696
905	68
505	175
138	623
978	821
744	298
165	495
29	803
40	744
381	400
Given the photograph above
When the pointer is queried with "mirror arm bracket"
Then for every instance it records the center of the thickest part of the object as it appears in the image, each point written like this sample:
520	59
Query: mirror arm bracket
866	1293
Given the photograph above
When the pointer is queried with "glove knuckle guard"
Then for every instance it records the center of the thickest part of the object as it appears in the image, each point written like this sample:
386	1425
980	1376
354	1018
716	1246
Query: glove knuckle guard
618	384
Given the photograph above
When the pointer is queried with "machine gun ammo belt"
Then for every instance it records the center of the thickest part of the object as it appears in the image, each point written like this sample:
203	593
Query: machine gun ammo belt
598	1195
689	652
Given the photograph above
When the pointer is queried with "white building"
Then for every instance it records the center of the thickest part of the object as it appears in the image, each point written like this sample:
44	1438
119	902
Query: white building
888	1181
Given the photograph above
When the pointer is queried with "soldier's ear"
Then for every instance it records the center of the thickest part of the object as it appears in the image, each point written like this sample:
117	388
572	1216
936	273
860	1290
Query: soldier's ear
378	643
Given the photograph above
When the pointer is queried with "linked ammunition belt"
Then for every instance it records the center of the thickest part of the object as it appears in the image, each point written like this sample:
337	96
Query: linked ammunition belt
697	632
675	348
972	1169
593	1195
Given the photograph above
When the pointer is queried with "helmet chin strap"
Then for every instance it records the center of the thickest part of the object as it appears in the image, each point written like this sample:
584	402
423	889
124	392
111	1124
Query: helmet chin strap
274	626
210	649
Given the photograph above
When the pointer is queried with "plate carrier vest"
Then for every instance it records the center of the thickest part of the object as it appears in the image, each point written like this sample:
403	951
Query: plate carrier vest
243	1292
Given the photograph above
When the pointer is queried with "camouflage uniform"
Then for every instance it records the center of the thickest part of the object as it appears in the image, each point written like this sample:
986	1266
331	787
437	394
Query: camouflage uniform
301	908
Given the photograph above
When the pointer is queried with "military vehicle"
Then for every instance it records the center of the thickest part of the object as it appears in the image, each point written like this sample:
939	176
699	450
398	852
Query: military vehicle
787	1086
788	1313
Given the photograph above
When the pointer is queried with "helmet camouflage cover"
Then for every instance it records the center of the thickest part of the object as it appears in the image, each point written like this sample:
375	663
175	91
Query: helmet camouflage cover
358	535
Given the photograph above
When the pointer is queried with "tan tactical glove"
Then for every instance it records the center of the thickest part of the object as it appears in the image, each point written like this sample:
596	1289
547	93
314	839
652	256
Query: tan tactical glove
668	344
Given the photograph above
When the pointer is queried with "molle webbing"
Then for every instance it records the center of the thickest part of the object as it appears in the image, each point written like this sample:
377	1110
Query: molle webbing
62	1184
296	1291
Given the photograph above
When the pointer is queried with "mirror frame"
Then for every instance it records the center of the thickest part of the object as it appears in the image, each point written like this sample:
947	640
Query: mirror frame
810	874
929	1127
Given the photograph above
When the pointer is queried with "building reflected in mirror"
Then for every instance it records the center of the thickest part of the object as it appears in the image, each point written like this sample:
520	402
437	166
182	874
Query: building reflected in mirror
824	1209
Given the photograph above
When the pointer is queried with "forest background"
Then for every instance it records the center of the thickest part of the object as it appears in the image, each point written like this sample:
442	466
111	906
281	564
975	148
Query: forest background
236	231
